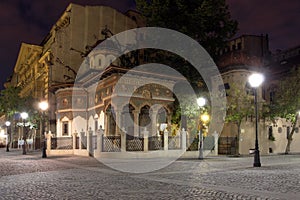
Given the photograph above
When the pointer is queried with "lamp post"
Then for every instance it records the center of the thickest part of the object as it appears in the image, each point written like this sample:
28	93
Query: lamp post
43	105
255	81
201	103
24	116
7	124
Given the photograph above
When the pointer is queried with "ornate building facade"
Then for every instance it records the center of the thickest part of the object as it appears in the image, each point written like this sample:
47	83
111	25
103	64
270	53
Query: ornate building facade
42	69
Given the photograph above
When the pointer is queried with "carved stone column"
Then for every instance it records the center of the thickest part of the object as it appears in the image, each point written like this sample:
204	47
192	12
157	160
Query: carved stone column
89	145
82	133
136	115
183	139
123	140
153	123
118	122
107	123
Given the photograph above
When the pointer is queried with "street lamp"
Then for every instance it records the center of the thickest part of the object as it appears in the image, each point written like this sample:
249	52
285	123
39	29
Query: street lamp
205	118
201	103
7	124
43	105
255	81
24	116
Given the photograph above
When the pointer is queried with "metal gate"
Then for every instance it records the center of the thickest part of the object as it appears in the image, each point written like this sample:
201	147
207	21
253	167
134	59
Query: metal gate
227	145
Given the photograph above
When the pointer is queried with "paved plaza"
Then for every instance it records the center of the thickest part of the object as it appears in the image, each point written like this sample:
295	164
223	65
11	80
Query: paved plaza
74	177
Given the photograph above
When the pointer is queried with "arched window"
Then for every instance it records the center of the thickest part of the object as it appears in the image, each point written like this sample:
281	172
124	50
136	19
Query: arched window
128	119
111	120
144	119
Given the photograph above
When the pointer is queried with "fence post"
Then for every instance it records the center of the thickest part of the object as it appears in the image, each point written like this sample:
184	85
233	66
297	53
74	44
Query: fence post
89	146
216	136
80	139
166	138
145	135
99	140
183	139
49	136
74	135
123	140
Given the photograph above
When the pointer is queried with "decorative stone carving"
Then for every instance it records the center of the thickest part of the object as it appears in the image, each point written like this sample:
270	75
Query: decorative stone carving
65	102
147	94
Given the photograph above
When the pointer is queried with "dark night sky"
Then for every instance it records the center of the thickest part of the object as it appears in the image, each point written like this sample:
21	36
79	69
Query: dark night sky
30	20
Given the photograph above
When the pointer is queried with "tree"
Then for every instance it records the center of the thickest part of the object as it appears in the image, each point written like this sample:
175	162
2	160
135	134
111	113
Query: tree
11	103
286	103
187	111
207	21
240	105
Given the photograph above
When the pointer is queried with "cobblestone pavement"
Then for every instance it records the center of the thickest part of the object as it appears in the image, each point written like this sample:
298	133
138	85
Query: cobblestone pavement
74	177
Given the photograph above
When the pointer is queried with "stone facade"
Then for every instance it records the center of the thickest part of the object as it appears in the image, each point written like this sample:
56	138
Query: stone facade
284	62
243	56
42	69
102	104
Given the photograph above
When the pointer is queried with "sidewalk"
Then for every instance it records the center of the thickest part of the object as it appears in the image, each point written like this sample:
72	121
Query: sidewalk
75	177
15	152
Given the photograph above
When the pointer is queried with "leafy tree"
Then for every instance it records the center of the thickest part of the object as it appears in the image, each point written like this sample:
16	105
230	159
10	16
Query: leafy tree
286	103
207	21
11	103
240	105
186	108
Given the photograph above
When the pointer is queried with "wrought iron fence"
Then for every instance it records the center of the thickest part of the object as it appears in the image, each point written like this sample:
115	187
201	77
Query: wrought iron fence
174	142
155	143
135	144
111	143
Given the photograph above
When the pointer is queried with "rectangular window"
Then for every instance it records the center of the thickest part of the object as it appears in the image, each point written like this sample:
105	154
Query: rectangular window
271	136
65	129
233	47
239	46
